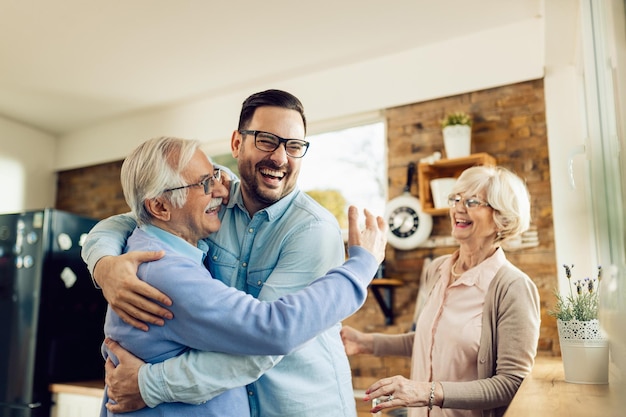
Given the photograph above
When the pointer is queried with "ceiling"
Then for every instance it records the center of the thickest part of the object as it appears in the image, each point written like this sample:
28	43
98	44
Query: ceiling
66	64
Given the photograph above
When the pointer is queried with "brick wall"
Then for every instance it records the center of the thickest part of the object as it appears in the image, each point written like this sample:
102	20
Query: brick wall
93	191
509	123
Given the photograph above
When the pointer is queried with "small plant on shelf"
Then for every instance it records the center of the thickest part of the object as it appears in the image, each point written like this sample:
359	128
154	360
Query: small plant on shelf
456	118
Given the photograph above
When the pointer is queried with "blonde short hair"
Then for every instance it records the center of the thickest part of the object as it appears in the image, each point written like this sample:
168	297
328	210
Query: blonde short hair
505	192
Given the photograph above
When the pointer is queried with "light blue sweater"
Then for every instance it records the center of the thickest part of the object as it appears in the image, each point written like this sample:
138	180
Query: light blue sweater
211	316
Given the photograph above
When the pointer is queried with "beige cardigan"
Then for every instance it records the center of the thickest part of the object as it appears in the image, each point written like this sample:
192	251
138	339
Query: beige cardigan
508	341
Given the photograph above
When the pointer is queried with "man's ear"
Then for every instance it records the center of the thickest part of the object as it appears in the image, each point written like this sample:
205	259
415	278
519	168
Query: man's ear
159	208
236	141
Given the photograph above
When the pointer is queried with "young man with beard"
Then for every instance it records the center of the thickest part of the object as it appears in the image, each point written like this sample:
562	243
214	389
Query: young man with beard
274	240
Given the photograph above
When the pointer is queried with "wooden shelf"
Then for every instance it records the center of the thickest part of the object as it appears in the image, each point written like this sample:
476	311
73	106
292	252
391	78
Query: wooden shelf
387	282
444	168
382	288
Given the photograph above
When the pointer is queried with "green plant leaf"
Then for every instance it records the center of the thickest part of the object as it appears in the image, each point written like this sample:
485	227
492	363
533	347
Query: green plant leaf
456	118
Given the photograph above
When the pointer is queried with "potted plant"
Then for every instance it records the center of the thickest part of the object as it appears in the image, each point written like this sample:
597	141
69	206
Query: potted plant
457	133
584	347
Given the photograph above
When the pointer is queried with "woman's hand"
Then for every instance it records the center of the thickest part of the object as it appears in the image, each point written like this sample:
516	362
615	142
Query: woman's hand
131	298
398	391
356	342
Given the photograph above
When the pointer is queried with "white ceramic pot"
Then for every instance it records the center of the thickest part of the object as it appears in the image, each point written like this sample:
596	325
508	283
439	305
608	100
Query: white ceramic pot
584	351
457	141
441	189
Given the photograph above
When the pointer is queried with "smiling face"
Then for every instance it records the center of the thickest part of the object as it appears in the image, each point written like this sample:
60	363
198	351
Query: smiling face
266	177
197	218
473	226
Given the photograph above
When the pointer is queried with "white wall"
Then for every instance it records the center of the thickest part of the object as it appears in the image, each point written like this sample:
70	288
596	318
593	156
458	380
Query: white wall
27	177
571	207
506	55
575	239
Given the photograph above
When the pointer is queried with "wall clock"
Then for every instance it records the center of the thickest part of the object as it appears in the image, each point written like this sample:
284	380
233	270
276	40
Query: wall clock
409	226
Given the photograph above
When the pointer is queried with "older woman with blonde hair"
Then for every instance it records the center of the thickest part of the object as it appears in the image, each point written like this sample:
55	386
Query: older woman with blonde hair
477	327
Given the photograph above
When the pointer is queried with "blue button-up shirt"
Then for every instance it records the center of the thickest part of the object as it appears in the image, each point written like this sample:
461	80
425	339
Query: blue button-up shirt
281	250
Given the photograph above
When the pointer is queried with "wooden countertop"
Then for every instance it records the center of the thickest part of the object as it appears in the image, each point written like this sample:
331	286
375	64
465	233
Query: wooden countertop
545	393
88	388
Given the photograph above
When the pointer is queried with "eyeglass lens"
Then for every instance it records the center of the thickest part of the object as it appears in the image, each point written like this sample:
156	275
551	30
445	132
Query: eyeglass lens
469	203
209	182
268	142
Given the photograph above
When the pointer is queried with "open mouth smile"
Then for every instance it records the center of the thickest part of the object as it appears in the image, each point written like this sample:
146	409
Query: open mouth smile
271	173
462	223
214	206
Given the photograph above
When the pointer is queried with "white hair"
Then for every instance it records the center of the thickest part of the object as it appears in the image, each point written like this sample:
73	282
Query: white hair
505	192
154	166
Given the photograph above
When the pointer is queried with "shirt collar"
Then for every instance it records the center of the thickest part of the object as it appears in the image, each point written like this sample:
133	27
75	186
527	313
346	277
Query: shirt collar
273	212
178	245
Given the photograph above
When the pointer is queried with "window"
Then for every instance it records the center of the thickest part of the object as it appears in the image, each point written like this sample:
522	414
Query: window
341	168
347	167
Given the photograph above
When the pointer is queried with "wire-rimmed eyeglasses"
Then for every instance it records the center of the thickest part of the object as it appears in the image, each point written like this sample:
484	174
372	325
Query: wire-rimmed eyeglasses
269	142
208	182
470	203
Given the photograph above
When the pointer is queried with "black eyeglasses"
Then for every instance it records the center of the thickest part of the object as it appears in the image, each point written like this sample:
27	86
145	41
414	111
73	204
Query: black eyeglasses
269	142
470	203
208	182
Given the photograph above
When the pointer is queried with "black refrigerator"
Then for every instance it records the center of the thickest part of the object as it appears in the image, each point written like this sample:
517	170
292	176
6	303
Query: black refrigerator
51	315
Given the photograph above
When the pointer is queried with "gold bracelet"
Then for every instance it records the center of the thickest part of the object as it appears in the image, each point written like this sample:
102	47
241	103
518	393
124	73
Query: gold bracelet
431	399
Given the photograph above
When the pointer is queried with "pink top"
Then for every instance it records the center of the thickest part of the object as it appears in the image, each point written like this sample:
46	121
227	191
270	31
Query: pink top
448	329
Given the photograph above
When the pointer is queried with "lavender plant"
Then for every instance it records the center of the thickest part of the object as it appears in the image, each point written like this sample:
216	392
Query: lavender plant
582	306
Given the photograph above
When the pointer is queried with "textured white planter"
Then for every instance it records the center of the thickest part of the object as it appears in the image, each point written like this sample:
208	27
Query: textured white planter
457	140
585	352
